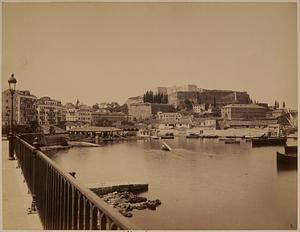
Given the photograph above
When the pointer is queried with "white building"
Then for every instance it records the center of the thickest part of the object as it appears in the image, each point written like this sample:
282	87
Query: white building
50	111
24	105
167	116
200	109
172	124
71	115
206	123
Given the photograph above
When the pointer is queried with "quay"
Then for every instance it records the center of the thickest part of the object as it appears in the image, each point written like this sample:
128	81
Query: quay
61	202
15	198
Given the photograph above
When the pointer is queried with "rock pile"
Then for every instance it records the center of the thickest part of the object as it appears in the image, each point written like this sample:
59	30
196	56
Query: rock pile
127	201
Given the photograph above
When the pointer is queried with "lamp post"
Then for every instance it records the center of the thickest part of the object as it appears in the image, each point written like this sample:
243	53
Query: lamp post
12	87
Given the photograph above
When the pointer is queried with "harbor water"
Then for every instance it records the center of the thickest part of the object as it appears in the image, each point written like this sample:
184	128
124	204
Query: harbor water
202	183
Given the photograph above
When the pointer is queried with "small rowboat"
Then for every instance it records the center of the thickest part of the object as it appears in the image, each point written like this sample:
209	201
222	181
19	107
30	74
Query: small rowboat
232	142
192	136
166	147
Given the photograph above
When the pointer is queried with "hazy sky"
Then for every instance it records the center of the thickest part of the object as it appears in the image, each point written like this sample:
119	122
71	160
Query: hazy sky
110	51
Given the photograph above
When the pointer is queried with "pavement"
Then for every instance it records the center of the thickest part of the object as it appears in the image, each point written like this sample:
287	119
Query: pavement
15	197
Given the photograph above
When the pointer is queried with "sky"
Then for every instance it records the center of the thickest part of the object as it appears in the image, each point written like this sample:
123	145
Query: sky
98	52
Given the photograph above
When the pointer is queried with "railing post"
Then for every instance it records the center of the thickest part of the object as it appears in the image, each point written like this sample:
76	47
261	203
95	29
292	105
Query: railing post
36	144
11	146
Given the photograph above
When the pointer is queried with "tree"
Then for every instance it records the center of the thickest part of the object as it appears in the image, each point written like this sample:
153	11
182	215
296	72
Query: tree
215	103
77	103
283	105
188	104
96	106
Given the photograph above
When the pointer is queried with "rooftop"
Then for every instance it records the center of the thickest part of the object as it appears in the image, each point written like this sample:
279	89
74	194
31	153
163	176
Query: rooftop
95	129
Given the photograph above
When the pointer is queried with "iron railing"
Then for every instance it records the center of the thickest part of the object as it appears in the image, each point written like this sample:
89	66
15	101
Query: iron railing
61	201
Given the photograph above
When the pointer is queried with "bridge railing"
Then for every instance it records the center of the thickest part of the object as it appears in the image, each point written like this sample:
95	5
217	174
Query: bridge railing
61	201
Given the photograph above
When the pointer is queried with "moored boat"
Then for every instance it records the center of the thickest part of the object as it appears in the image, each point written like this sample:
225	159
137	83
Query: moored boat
193	136
210	136
232	142
287	159
165	147
168	136
269	141
154	137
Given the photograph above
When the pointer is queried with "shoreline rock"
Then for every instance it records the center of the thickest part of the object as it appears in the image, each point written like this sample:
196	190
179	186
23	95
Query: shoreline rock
126	202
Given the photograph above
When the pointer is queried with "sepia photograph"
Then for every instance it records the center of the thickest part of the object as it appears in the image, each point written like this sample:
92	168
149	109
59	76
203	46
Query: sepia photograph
149	115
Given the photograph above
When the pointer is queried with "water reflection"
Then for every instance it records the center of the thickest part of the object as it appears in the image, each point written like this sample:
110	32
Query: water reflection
202	183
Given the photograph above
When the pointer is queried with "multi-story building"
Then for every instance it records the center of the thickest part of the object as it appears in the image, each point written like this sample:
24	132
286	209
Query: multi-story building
24	104
168	115
50	111
84	115
244	111
71	114
206	123
141	111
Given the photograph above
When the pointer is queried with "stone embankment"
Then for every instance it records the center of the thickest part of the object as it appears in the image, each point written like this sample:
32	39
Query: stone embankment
124	197
126	202
101	190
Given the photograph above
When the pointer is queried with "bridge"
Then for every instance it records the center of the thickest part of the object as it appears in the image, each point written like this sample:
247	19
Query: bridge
59	199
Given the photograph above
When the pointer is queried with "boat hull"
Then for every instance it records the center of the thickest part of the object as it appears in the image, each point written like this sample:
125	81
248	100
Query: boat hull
258	142
232	142
285	161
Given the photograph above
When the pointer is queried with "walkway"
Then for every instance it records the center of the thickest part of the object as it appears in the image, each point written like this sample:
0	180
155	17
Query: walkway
15	198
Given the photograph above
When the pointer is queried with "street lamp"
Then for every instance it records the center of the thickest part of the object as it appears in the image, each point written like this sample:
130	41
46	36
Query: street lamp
12	87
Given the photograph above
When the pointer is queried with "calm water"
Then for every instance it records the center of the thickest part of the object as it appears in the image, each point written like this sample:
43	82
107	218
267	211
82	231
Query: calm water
202	183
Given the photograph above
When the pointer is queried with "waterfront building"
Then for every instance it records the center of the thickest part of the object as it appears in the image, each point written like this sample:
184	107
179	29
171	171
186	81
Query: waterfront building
95	133
84	115
141	111
168	115
206	123
263	123
243	111
72	125
184	122
24	104
50	111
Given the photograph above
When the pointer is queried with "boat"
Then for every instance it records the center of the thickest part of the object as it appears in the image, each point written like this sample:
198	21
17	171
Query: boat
226	139
154	137
165	147
269	141
193	136
232	142
210	136
168	136
287	159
